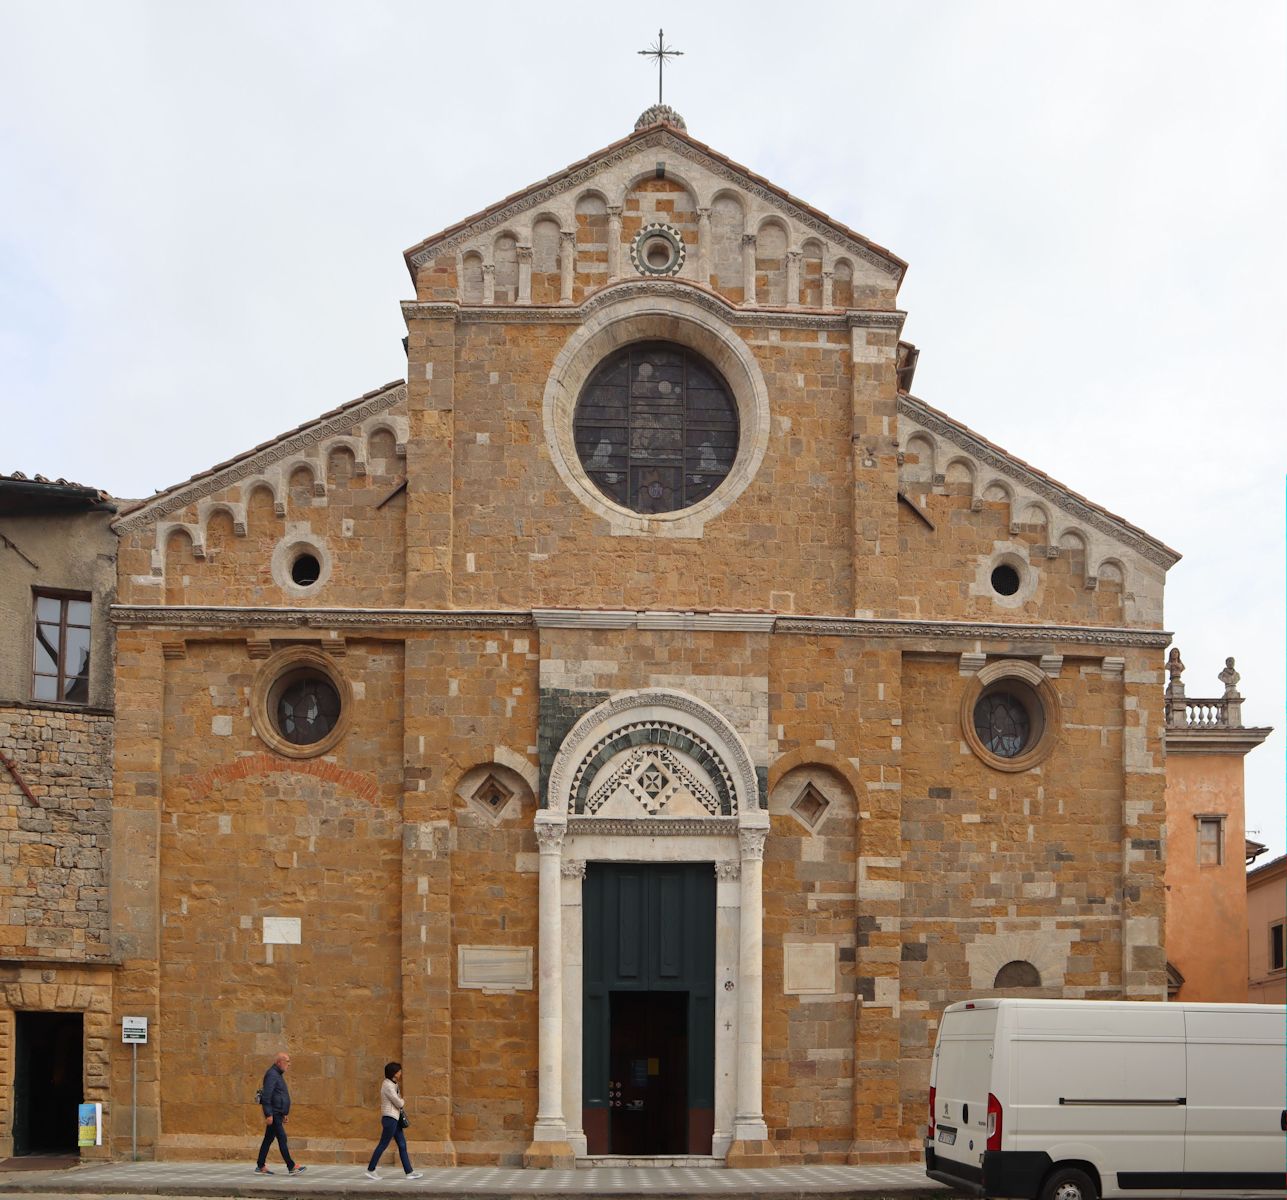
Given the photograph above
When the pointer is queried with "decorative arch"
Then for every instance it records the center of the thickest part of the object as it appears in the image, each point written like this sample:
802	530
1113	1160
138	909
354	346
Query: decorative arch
922	446
696	753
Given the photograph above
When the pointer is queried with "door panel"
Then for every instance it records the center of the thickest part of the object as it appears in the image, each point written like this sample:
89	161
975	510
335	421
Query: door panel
649	928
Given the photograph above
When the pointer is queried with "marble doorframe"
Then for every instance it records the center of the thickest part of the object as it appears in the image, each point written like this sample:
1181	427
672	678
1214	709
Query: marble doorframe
733	844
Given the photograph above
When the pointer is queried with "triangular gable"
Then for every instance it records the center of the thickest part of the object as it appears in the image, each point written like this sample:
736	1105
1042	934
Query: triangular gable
657	136
916	412
336	423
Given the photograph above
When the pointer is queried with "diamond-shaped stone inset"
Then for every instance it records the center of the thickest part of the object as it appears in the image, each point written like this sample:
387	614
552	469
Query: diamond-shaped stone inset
492	794
652	779
810	806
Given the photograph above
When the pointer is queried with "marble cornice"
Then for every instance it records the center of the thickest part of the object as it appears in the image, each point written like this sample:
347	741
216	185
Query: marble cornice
972	631
233	617
838	321
1239	739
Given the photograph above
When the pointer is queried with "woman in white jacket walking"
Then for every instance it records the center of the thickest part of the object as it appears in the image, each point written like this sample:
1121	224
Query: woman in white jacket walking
391	1106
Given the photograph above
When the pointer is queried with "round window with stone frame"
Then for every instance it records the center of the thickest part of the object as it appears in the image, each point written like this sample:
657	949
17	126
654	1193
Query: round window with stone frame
301	703
1010	715
656	427
658	250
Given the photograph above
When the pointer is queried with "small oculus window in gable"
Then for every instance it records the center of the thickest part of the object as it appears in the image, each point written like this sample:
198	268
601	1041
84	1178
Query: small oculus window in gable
1005	580
305	570
657	250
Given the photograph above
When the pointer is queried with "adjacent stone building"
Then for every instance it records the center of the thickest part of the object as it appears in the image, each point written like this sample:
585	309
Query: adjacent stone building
57	583
639	721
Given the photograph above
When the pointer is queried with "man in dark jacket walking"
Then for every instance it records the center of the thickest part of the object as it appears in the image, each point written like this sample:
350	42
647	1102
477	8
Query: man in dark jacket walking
275	1101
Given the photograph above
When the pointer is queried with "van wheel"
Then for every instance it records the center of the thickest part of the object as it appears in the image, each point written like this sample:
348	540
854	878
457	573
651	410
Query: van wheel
1068	1183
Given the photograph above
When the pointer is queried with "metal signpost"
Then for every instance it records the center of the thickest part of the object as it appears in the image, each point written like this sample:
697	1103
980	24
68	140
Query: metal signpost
134	1033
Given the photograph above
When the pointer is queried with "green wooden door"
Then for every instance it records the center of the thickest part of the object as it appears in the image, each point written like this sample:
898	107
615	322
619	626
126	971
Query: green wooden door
649	928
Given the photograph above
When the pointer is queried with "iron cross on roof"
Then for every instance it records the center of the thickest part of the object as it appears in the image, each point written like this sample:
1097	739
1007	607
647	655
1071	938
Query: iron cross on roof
661	52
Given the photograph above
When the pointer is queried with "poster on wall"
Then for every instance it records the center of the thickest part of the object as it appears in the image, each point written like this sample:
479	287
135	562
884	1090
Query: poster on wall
90	1123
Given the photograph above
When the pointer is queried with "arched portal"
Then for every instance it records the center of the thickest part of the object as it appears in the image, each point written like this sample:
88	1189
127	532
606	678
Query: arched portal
653	798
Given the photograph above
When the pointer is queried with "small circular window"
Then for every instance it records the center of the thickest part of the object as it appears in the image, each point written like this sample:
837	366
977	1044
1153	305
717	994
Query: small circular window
1005	580
301	703
1010	715
1003	723
658	250
307	708
656	427
305	570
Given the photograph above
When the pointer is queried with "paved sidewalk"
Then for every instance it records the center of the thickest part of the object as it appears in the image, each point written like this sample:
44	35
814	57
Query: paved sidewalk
326	1181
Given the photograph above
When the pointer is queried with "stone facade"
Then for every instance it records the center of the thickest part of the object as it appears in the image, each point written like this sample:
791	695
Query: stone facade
56	950
789	664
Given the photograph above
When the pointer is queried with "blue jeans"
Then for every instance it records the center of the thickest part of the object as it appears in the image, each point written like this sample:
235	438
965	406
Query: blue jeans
391	1131
276	1130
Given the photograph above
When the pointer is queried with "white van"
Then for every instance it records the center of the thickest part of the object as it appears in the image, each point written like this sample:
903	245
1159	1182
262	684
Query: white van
1074	1099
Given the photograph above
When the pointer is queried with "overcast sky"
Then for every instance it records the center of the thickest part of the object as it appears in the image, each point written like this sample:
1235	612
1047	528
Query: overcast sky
203	209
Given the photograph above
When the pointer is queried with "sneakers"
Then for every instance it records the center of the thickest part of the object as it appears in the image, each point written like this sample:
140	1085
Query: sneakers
414	1175
371	1175
262	1171
297	1170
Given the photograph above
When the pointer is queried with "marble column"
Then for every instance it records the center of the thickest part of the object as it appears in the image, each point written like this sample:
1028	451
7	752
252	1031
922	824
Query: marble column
793	277
748	268
573	879
704	245
525	274
748	1123
567	264
550	1123
614	242
489	283
828	281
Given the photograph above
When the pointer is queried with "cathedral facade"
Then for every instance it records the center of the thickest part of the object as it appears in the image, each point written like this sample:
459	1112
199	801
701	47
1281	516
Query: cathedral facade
640	721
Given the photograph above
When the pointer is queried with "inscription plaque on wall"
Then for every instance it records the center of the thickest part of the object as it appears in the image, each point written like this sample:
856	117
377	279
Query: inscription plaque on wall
281	931
494	968
809	969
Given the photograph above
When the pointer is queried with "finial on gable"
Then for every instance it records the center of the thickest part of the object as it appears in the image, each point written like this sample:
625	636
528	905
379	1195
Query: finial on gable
660	114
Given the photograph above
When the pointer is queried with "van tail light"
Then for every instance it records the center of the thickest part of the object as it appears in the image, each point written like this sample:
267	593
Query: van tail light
931	1120
994	1123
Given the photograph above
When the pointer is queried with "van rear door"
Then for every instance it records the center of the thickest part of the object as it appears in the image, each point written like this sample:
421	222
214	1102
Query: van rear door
962	1079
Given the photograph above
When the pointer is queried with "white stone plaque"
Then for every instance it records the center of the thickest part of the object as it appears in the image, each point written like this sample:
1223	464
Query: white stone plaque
281	931
809	969
495	968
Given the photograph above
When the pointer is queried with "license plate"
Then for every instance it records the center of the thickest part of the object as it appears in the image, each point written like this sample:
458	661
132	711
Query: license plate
947	1135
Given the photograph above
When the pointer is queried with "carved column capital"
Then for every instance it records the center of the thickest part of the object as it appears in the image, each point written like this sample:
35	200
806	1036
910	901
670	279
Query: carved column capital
549	838
489	269
573	868
704	214
748	239
524	253
752	843
567	236
614	212
728	870
794	256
